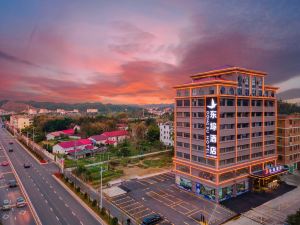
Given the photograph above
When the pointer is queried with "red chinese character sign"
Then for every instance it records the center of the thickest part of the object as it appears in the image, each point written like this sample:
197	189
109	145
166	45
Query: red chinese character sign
211	127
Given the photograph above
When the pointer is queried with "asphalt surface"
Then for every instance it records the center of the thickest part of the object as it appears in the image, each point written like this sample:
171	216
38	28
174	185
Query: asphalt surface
14	216
53	204
159	194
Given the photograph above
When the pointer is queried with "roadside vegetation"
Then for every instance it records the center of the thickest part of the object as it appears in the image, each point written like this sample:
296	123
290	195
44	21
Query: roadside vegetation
294	219
117	168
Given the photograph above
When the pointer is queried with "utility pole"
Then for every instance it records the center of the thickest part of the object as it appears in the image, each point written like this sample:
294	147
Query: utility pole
101	171
33	138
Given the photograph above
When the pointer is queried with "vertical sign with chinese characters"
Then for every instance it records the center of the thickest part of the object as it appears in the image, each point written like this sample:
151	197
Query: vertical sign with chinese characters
211	127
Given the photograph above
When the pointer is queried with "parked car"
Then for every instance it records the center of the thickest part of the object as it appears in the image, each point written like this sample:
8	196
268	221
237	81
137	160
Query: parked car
151	219
10	150
10	142
20	202
26	165
12	183
5	163
5	205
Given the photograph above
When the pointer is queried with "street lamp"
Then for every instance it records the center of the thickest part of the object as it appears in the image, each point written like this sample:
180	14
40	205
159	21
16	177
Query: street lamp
101	171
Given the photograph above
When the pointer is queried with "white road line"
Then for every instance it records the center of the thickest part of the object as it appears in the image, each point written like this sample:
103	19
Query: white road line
60	198
57	218
73	213
46	201
51	209
81	223
67	205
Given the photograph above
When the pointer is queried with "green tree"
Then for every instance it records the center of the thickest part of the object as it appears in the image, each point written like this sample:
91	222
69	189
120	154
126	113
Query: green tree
294	219
153	133
139	131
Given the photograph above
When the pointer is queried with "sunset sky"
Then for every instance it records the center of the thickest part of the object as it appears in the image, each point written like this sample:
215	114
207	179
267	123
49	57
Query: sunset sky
134	51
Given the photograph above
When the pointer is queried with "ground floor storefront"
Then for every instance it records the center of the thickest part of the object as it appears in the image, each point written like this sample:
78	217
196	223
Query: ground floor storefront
213	193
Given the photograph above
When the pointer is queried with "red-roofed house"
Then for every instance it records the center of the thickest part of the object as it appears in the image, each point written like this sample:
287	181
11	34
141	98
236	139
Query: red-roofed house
98	139
57	134
70	146
117	136
110	138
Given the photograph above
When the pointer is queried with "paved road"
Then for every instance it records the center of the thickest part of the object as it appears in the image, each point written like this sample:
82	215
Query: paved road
15	216
53	204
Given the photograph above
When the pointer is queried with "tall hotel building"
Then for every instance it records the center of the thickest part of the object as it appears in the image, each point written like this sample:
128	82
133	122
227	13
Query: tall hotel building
225	125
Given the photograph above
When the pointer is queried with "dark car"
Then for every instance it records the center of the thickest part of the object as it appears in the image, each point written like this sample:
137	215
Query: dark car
151	219
10	142
26	165
12	183
10	150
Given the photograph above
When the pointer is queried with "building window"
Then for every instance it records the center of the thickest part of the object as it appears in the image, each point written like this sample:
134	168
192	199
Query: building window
179	103
222	90
231	91
211	91
186	102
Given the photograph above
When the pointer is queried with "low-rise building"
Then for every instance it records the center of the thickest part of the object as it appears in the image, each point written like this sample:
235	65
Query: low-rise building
32	111
98	139
110	138
20	121
288	141
166	133
92	110
117	136
58	134
68	147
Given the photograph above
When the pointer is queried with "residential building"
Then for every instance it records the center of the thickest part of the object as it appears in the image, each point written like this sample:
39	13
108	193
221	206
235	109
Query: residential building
122	126
32	111
92	110
110	138
68	147
288	141
59	134
116	136
225	125
20	121
98	139
166	133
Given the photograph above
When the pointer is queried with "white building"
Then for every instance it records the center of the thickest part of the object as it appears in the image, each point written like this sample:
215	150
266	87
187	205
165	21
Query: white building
166	133
92	110
32	111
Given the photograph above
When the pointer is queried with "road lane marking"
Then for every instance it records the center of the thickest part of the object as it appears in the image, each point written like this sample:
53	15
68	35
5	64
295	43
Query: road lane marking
60	198
57	218
67	205
73	213
51	209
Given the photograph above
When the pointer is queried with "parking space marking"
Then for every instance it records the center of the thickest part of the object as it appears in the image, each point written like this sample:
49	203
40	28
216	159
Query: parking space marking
125	203
121	199
131	210
140	182
130	205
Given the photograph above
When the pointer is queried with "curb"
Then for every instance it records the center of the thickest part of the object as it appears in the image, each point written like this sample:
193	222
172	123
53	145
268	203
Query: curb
31	207
80	201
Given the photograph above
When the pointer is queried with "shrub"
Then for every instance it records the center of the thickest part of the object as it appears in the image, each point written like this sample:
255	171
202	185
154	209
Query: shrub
94	203
103	211
114	221
85	195
77	189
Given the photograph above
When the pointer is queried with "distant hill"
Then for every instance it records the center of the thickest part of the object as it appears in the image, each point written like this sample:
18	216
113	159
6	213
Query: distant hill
13	106
82	107
161	106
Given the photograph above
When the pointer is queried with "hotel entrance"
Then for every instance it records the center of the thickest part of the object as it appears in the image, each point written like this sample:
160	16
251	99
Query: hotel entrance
267	180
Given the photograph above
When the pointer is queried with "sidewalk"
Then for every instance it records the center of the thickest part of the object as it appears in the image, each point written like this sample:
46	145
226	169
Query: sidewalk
276	210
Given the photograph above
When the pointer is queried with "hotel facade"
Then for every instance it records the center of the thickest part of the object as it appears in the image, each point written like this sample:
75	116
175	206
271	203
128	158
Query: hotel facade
225	131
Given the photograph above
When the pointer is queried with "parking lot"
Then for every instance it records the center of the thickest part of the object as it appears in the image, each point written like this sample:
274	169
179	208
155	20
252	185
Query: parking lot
14	215
159	194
